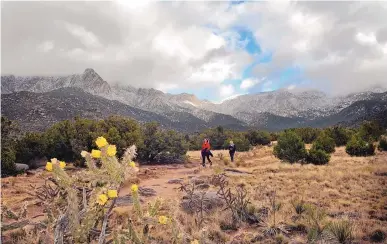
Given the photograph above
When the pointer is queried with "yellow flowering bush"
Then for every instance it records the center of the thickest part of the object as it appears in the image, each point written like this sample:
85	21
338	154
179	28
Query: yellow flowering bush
102	199
86	193
134	188
96	153
112	194
163	220
62	164
49	166
101	142
111	150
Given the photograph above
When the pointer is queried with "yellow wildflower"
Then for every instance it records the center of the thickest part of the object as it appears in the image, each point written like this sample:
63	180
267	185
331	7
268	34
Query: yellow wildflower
134	188
49	166
132	164
111	150
102	199
112	193
101	142
163	220
84	153
195	242
62	164
96	153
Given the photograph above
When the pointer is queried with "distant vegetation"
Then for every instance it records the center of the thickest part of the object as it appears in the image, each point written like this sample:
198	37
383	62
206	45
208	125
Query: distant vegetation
66	139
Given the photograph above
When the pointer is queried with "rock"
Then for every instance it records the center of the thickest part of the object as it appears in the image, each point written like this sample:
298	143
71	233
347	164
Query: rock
211	202
147	192
125	201
22	167
203	186
175	181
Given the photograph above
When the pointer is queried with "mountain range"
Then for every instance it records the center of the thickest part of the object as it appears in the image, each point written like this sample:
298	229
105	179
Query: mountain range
37	102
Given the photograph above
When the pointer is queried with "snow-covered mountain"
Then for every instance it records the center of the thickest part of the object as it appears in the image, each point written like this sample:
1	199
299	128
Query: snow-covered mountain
275	110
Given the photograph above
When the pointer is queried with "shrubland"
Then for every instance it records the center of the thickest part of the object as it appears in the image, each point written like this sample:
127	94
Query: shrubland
158	145
275	203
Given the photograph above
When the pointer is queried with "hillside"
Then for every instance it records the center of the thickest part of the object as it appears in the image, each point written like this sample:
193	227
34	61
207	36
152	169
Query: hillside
272	111
37	111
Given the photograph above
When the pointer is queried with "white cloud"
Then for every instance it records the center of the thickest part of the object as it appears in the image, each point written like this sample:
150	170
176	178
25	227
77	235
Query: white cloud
88	38
46	46
367	39
291	87
249	82
226	90
341	46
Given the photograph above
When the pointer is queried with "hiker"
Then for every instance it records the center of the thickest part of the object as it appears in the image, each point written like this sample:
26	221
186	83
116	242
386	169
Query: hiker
206	152
231	150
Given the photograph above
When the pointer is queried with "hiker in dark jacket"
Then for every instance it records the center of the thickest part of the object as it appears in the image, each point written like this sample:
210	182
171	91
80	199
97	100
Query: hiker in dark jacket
231	150
206	153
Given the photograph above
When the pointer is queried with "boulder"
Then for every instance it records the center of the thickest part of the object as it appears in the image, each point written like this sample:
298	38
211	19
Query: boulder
146	192
22	167
175	181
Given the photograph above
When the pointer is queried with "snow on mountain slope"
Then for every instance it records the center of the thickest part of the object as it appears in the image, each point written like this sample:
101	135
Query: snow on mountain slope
261	109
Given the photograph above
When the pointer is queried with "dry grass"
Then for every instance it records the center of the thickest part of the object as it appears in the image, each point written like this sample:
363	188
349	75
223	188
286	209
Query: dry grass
347	187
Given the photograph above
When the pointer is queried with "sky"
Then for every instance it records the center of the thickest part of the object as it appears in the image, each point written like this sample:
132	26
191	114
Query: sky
215	50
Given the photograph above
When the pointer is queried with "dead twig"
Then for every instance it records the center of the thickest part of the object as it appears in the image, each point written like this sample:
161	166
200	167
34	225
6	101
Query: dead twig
104	223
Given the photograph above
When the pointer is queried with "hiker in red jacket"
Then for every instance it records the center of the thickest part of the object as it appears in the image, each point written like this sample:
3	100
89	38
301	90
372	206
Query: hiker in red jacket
206	152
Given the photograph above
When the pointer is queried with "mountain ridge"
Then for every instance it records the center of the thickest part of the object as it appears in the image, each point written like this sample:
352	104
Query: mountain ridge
273	110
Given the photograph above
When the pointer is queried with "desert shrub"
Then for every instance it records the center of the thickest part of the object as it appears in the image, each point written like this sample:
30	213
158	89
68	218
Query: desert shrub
30	147
308	135
370	131
290	147
358	147
324	143
9	132
317	224
339	134
378	236
162	146
273	136
226	161
8	158
383	144
299	206
240	141
342	231
257	137
318	157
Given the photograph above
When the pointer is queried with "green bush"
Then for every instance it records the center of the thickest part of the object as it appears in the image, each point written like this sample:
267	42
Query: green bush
290	147
318	157
257	137
370	131
324	143
30	147
308	134
162	146
9	131
241	142
8	162
339	134
359	147
383	144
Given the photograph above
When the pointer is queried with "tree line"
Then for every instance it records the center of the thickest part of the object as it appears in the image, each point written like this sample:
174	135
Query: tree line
66	139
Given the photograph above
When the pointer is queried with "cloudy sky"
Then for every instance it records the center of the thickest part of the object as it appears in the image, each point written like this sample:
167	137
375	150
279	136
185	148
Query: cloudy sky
215	50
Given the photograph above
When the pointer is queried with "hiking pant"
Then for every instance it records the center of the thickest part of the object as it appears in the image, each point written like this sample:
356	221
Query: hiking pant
232	155
204	155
